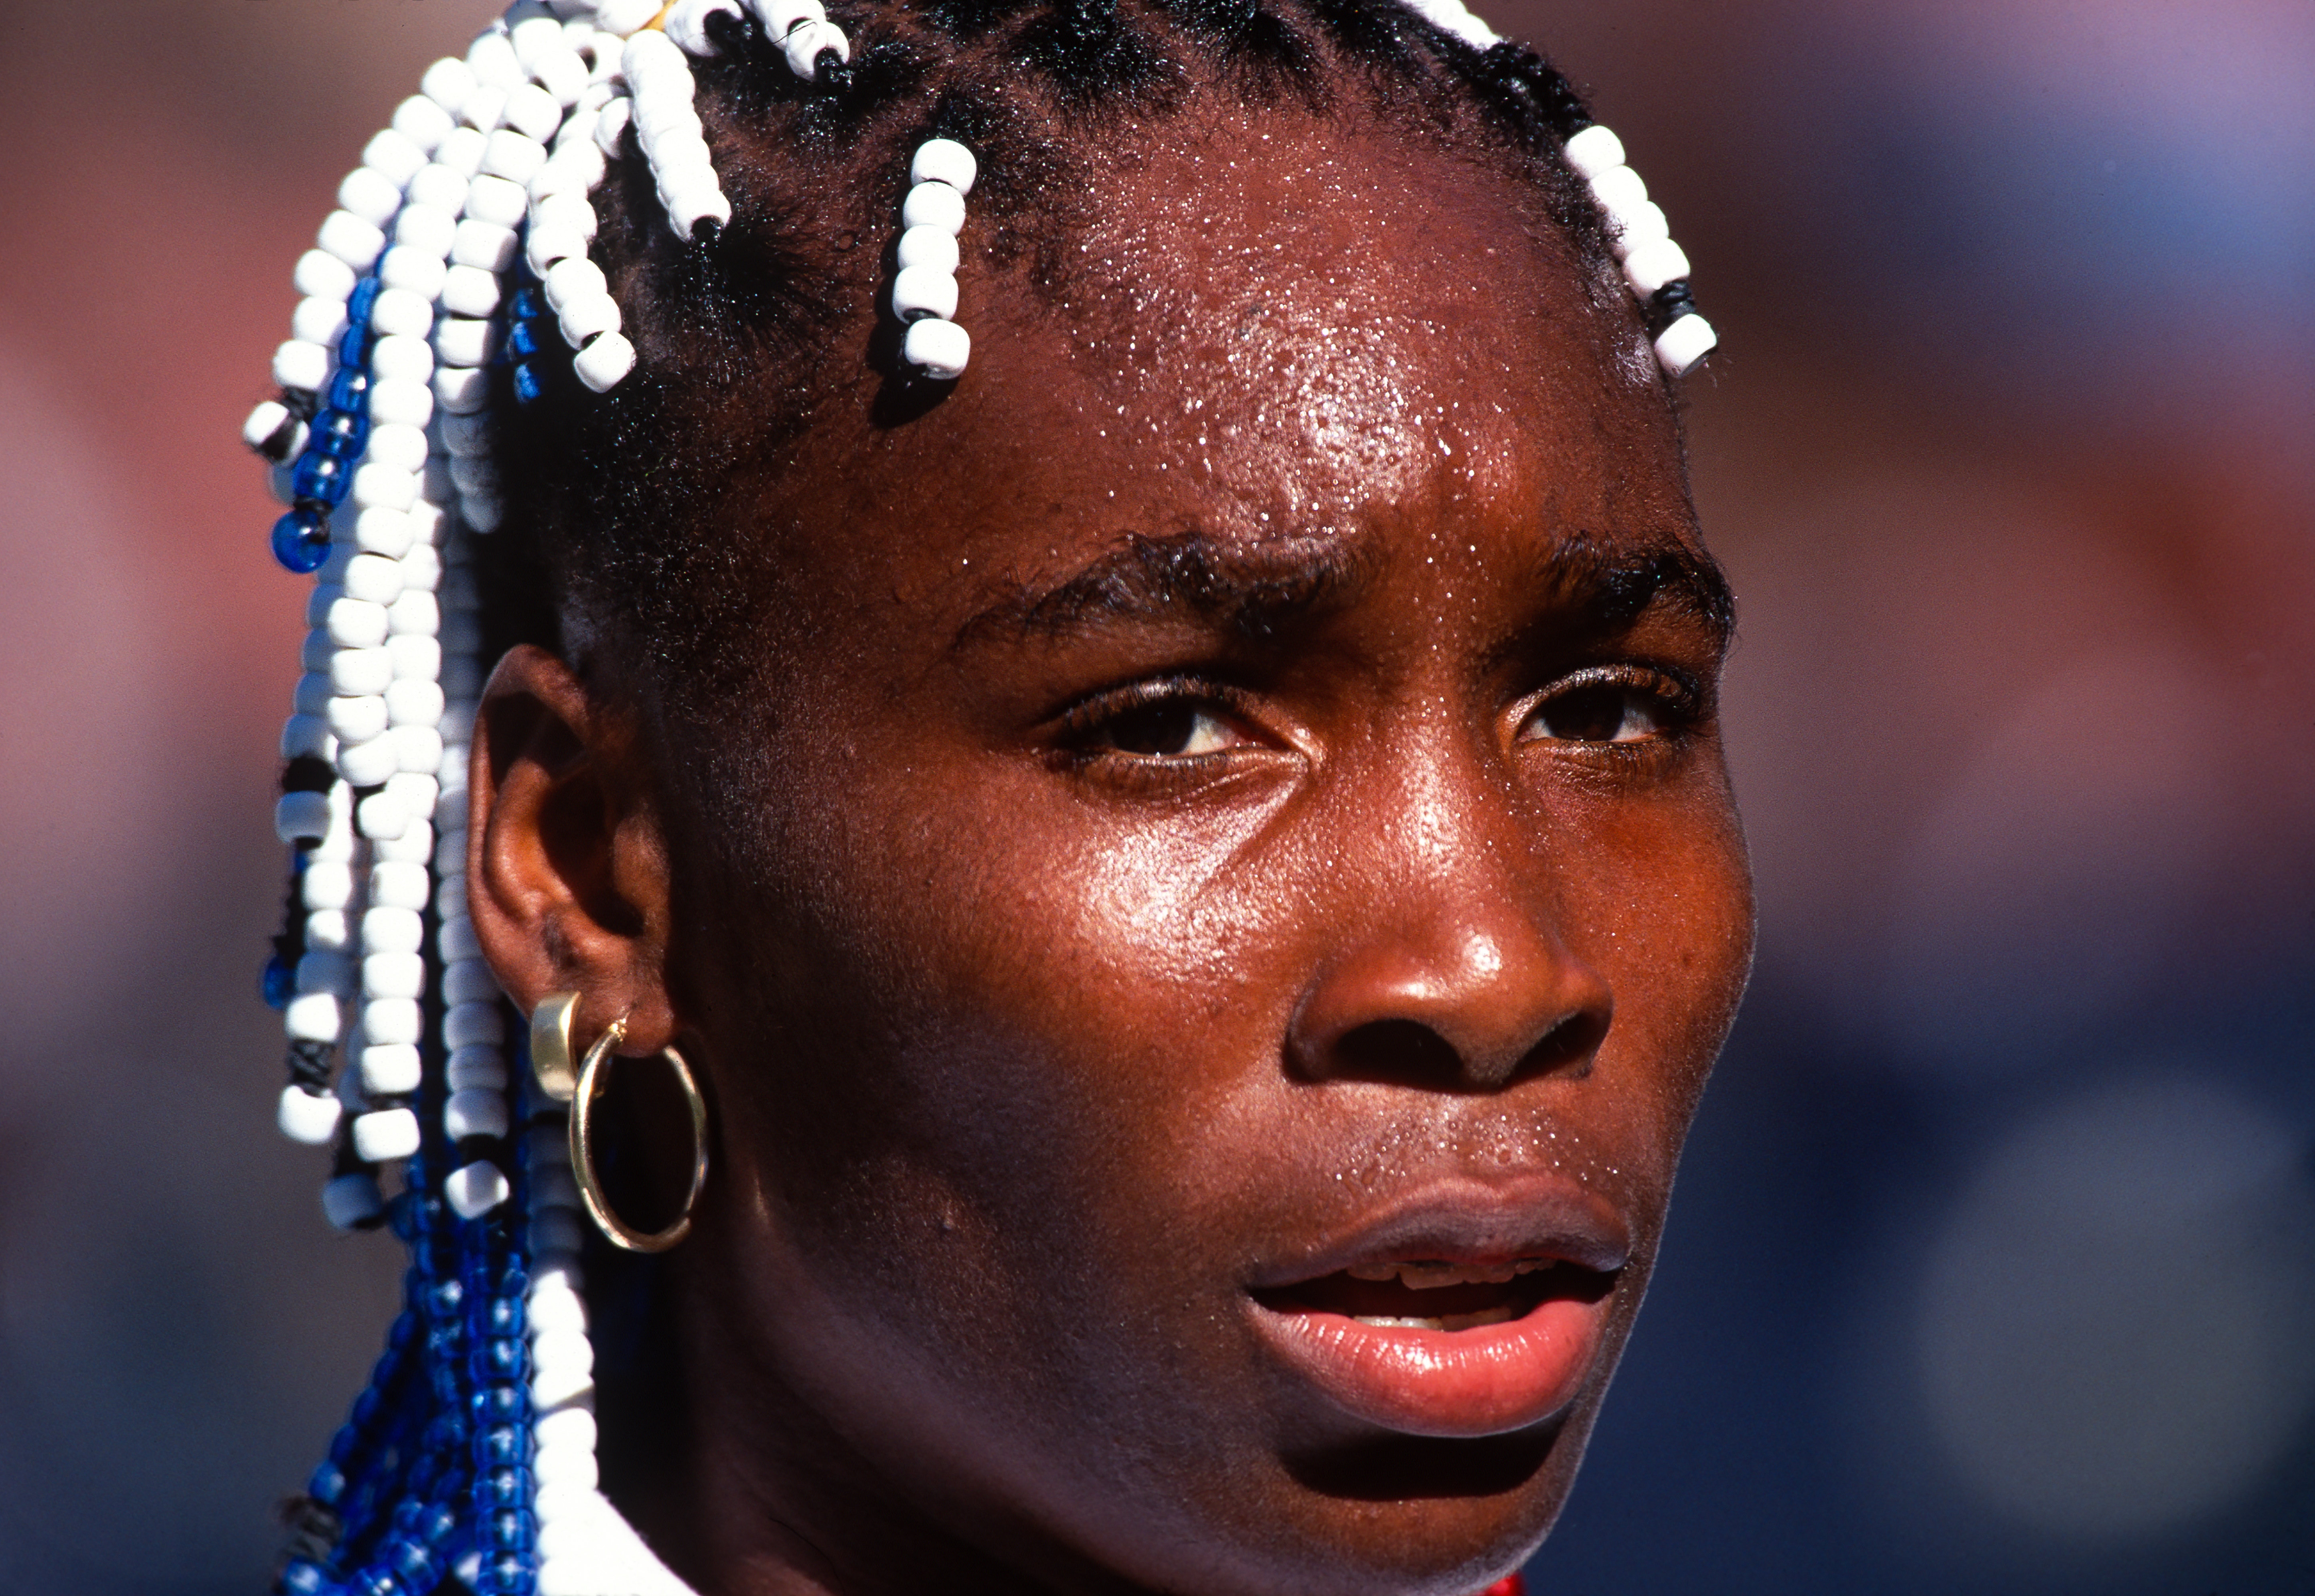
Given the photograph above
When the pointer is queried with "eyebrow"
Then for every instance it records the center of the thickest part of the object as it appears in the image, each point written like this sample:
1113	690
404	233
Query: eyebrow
1258	593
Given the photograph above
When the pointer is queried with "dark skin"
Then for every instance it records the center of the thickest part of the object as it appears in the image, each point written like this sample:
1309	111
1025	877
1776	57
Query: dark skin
1245	755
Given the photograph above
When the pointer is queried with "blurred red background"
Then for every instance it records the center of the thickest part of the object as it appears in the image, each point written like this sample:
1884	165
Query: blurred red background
1994	1263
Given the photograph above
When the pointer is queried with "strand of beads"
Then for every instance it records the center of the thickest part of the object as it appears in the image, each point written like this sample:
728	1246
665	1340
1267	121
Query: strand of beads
923	289
1656	268
563	1363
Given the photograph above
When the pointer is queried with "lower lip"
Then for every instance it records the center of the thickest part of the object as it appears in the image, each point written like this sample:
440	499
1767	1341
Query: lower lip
1483	1381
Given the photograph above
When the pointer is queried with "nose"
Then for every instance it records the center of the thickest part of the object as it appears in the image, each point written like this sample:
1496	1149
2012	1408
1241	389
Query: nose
1448	969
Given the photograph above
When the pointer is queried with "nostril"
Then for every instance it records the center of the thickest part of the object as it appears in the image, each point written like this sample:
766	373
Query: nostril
1395	1050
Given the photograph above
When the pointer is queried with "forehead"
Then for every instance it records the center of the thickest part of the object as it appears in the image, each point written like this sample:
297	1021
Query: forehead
1269	326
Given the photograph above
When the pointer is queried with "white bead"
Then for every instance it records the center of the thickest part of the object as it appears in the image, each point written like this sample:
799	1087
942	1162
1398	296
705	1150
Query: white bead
324	276
476	476
469	981
448	82
384	484
397	312
483	244
356	624
514	156
304	737
658	120
300	364
393	931
399	400
467	1024
1685	343
623	17
325	929
306	1118
1653	265
402	447
575	169
461	154
368	764
481	512
440	186
465	435
464	340
400	883
394	975
781	17
302	815
425	123
805	47
400	356
572	1429
555	1230
419	750
472	291
350	1202
352	240
931	247
462	389
392	1019
687	24
475	1112
387	1133
356	720
603	362
564	1351
394	154
562	74
412	270
532	38
457	940
422	566
269	417
319	970
484	109
943	160
428	228
564	1468
493	58
416	843
373	578
572	279
919	291
612	124
328	883
1619	189
533	114
1638	227
319	321
312	1016
370	194
477	1067
584	318
416	658
474	1188
652	62
391	1068
414	613
546	244
502	201
415	703
1593	151
933	205
689	206
356	673
939	349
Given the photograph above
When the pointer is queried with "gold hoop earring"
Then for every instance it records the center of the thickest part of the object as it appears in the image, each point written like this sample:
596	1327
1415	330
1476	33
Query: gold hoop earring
588	1087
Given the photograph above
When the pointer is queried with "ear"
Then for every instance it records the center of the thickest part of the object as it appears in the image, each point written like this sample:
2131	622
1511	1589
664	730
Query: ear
566	866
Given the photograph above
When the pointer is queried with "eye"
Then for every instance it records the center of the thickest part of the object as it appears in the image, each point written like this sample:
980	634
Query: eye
1157	724
1608	708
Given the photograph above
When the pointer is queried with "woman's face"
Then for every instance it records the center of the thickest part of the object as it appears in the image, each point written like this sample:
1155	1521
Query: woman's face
1204	995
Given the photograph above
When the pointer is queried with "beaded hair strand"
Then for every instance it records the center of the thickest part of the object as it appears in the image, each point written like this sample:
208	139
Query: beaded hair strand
456	266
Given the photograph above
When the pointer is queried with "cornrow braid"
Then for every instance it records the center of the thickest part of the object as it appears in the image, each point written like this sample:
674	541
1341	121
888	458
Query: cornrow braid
601	212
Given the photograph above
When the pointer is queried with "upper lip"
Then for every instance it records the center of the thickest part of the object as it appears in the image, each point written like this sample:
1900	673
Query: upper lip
1469	1221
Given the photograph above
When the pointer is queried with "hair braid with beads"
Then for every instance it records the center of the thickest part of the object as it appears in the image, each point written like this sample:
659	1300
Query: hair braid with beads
602	214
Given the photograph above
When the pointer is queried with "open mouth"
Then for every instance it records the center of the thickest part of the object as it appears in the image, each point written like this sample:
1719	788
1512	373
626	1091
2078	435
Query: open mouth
1439	1294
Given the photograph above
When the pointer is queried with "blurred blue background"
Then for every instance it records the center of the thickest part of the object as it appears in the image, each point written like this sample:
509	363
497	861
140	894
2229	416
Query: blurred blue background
1993	1264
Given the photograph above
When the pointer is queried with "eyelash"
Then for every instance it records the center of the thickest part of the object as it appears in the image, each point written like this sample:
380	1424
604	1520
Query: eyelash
1084	720
1672	701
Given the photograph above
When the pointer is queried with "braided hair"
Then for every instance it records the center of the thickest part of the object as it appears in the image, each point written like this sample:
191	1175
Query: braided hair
590	269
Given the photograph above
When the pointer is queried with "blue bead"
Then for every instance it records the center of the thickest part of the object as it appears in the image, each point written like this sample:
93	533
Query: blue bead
436	1524
412	1562
523	340
303	1578
321	479
360	303
500	1488
301	542
328	1485
444	1299
353	349
504	1317
279	983
528	385
505	1446
506	1573
512	1529
378	1582
526	305
349	390
502	1358
341	434
500	1404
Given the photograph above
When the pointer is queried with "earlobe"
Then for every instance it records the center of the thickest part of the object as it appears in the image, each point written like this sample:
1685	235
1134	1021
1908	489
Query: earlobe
567	877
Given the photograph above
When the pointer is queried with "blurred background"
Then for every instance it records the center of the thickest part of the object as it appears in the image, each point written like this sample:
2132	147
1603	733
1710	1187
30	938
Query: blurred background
1993	1267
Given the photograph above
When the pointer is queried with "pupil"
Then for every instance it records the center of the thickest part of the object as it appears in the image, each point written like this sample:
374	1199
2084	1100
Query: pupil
1587	714
1155	728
